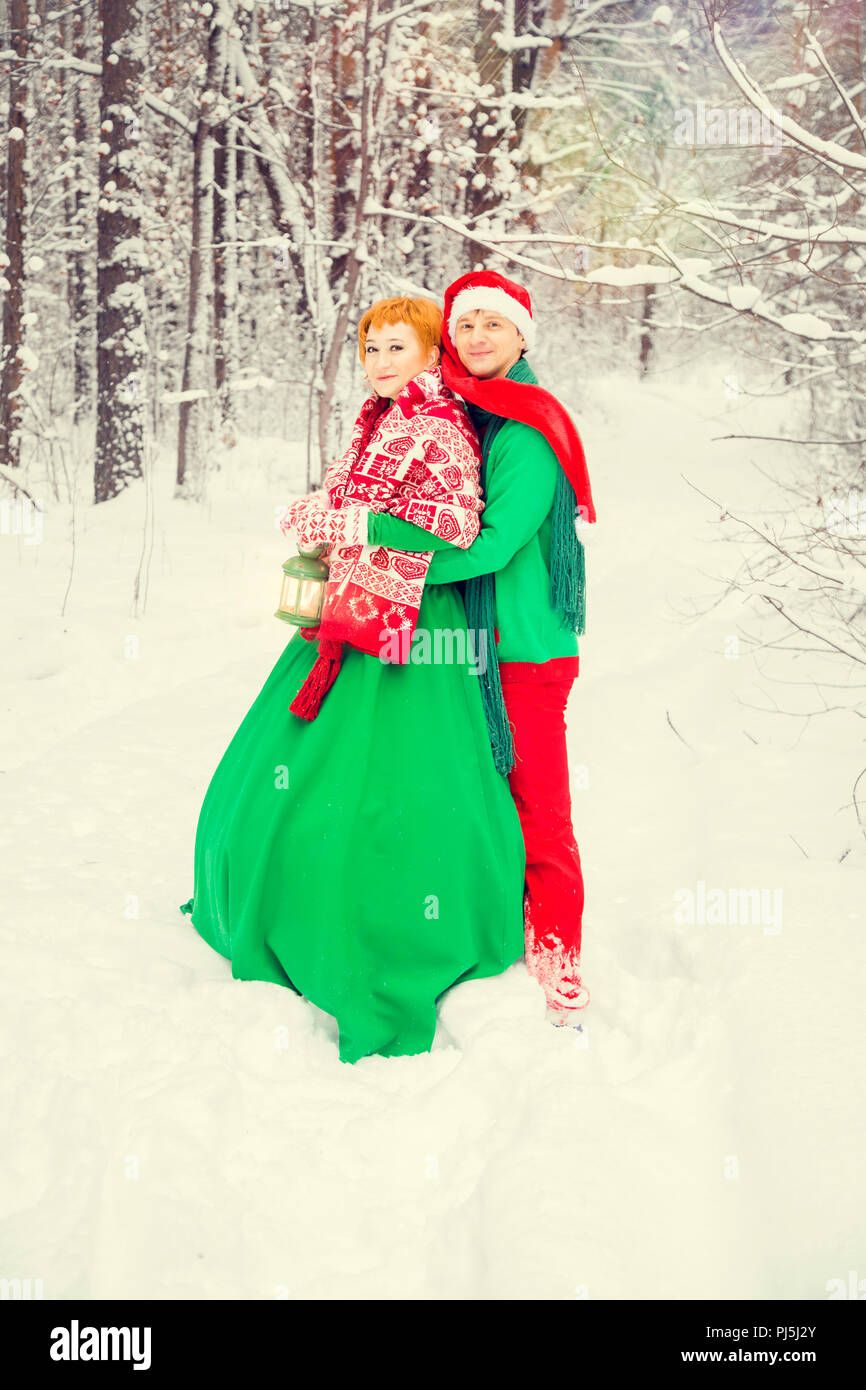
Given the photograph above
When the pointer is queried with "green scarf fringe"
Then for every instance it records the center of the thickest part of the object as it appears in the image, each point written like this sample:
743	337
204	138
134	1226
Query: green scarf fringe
567	560
481	615
567	582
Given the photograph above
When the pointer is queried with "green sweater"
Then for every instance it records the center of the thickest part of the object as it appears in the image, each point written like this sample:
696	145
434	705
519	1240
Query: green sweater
513	545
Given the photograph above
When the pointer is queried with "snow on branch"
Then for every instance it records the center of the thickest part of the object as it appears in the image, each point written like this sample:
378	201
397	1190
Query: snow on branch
585	14
827	150
171	113
514	43
832	233
819	53
280	186
382	20
681	273
69	64
747	300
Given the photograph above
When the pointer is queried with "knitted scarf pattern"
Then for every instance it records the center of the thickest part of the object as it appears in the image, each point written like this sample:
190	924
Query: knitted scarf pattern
416	458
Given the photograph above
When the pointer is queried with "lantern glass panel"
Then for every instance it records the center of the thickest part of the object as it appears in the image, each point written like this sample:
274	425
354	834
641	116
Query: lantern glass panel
311	596
289	597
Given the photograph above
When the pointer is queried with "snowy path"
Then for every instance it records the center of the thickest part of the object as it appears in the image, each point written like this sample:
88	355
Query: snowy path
173	1133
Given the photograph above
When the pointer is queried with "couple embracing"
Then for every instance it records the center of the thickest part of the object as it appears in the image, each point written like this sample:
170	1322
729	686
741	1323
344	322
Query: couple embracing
386	823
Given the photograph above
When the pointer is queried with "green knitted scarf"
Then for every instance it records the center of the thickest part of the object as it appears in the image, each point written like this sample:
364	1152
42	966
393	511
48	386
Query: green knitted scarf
567	579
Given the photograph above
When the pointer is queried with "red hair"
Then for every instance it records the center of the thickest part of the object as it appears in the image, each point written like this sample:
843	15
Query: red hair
422	315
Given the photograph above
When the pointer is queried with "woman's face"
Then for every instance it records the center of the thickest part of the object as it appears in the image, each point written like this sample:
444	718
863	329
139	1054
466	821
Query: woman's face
393	355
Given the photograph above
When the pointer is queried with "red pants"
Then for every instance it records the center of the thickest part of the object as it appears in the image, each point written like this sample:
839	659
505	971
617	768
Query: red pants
535	698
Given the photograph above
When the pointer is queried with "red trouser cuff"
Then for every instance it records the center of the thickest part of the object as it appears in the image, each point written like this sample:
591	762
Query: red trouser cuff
557	669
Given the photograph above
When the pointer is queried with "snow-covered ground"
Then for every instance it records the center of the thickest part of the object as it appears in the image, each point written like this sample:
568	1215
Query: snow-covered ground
173	1133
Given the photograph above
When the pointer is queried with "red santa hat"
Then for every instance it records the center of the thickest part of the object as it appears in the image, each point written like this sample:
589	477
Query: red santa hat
515	400
487	289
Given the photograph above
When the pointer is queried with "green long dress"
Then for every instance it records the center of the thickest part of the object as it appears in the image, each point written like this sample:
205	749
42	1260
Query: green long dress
368	859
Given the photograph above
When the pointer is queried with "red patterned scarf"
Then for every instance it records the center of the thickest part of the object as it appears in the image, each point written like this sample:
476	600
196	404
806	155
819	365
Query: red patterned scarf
417	458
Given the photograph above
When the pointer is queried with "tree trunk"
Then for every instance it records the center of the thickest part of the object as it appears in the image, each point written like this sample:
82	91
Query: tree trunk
494	70
323	389
120	315
646	337
82	280
225	264
196	413
13	301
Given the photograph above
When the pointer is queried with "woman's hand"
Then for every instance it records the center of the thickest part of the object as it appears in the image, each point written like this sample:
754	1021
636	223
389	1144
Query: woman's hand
335	527
314	502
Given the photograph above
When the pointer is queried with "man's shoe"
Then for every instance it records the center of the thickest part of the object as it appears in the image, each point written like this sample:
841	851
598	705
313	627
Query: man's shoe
566	1018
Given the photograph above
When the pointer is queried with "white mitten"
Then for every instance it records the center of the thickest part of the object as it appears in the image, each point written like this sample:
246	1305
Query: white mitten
336	527
311	504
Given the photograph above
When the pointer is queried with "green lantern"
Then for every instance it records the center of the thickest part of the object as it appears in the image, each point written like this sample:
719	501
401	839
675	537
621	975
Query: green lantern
303	591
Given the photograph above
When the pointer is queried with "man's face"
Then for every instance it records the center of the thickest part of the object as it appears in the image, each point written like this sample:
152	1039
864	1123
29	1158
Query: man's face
487	344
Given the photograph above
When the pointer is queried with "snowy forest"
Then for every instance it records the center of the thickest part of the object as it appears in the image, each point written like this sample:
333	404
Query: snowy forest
188	188
198	201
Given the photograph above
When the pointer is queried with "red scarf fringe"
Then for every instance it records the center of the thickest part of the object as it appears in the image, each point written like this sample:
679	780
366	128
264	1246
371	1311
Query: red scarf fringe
322	675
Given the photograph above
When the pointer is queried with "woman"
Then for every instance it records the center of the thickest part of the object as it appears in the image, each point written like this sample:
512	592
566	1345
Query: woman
356	842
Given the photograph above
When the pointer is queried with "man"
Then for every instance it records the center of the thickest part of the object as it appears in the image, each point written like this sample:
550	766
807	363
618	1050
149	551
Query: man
524	573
